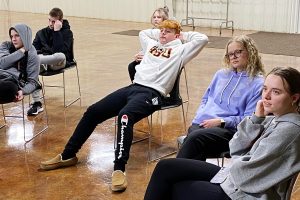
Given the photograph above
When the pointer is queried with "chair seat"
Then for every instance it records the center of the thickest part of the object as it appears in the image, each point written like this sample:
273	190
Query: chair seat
169	102
54	72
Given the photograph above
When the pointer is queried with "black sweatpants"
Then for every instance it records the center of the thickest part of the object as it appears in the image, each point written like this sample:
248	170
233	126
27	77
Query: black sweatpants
203	143
130	104
182	179
8	88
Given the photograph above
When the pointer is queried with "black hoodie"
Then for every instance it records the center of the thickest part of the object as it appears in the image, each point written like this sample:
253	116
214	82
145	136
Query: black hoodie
47	41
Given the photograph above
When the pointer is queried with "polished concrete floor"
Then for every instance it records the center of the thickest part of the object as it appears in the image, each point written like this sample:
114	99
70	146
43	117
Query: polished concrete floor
102	60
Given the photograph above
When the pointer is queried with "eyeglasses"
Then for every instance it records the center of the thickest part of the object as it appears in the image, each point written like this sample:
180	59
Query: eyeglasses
235	54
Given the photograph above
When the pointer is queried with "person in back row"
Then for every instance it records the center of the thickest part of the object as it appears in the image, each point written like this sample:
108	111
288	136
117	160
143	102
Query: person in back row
159	15
19	65
54	46
155	77
265	153
231	96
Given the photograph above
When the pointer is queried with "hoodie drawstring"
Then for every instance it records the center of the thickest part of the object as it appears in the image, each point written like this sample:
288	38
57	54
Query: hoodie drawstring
225	88
228	101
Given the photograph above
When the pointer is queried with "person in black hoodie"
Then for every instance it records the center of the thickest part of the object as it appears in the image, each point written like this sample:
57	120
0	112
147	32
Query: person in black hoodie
54	46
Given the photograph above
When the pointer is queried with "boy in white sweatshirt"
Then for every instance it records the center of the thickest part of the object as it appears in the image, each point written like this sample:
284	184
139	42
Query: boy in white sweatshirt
155	76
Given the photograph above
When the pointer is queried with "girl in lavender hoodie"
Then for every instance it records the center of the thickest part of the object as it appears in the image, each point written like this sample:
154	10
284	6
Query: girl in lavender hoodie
231	96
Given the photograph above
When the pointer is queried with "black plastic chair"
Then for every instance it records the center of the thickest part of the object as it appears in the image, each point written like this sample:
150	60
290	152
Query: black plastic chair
172	101
70	65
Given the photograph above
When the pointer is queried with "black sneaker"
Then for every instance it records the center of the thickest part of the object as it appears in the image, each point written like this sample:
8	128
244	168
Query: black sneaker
43	68
35	109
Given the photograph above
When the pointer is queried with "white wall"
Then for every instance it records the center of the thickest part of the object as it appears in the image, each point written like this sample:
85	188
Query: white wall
127	10
260	15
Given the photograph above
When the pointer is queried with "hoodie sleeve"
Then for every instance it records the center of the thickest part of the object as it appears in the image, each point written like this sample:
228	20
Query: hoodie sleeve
277	156
242	140
148	35
194	43
33	70
7	59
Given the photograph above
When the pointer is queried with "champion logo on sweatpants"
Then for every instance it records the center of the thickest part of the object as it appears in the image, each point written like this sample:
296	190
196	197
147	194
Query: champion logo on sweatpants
124	122
155	101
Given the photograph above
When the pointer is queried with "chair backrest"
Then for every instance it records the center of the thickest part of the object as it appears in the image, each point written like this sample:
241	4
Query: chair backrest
73	62
174	99
291	186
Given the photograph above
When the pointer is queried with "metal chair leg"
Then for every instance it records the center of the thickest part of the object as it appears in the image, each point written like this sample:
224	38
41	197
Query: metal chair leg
24	122
44	128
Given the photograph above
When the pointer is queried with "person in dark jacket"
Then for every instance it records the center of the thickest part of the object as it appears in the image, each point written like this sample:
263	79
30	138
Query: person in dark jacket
54	46
19	65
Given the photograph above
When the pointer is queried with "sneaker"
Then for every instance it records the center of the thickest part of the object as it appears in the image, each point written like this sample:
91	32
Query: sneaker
58	162
43	68
118	181
180	140
35	109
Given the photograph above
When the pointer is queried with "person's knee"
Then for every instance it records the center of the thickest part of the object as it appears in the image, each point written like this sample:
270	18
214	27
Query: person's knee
194	135
8	91
127	118
164	164
123	119
91	111
193	127
59	56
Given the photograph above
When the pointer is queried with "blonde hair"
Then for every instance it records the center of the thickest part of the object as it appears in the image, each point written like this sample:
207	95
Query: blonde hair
171	24
254	65
163	12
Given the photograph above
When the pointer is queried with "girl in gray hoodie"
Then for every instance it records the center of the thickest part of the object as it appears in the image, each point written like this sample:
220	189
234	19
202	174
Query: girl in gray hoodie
265	153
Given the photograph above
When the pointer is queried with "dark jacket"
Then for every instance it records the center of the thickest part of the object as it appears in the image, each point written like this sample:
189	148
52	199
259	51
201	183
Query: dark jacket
47	41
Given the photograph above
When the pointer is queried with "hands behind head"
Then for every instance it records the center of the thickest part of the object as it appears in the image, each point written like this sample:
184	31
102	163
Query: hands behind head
57	25
138	57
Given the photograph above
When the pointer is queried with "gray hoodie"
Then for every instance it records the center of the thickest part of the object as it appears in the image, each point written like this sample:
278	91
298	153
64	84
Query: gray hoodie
9	59
265	155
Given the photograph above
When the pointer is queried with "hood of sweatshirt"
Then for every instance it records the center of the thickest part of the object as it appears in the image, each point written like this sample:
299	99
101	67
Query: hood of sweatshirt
65	24
25	33
290	117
